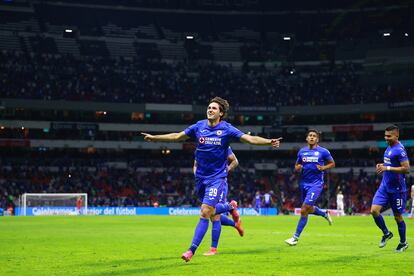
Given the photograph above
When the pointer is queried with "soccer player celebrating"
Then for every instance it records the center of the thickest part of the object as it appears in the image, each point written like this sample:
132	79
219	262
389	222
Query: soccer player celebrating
312	161
392	189
221	219
213	137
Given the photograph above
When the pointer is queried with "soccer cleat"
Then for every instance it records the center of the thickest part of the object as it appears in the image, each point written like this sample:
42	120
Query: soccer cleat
402	246
234	213
239	228
292	241
328	218
385	238
211	252
187	255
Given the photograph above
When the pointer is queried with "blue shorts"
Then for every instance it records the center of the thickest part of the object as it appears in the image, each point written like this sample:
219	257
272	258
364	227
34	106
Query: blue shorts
310	193
397	200
212	191
223	196
266	204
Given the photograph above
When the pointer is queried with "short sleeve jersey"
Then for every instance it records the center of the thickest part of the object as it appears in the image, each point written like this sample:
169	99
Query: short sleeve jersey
309	158
393	157
212	147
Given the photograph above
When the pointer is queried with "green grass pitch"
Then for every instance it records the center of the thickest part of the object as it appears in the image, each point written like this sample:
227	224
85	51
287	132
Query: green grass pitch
152	245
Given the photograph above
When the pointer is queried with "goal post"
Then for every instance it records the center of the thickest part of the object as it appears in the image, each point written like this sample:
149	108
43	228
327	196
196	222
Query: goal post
48	204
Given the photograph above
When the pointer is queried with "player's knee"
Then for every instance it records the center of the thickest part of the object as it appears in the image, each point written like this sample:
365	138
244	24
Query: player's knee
375	212
304	211
398	217
206	212
215	218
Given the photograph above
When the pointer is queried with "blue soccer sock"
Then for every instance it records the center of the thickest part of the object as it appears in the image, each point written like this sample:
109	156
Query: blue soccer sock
223	207
319	212
226	221
401	231
199	233
301	224
215	233
381	224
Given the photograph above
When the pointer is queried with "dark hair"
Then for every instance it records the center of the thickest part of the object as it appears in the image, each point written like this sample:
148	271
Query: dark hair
223	105
391	128
315	131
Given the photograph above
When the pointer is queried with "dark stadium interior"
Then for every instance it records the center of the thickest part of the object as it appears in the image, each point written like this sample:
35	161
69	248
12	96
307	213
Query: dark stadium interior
80	80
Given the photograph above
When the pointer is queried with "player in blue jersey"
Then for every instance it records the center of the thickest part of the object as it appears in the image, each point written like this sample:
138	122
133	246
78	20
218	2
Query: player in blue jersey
257	202
392	189
213	137
312	161
233	162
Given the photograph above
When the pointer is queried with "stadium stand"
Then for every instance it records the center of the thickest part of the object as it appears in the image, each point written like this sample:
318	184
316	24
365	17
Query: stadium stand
73	103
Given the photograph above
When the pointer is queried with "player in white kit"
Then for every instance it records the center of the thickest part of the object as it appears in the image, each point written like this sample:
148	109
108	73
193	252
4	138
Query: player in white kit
340	202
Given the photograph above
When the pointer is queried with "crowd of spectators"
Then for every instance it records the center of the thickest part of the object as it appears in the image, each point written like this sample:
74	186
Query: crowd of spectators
137	186
66	77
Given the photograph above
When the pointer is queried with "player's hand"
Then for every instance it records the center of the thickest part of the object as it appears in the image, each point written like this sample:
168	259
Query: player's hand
275	142
381	168
298	167
148	137
321	168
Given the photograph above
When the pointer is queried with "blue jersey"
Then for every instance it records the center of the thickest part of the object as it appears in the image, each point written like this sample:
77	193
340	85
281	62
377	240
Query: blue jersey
309	158
258	200
212	147
393	156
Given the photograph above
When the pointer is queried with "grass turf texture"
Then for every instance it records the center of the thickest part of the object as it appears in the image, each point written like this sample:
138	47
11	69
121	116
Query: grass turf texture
143	245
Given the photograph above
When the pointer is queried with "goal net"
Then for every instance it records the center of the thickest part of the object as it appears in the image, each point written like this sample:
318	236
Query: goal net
53	204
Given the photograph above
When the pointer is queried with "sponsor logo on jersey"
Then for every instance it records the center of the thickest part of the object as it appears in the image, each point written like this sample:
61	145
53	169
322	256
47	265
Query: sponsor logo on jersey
387	160
310	159
210	141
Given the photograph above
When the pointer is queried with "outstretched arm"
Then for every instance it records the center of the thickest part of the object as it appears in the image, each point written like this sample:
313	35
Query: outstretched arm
260	141
170	137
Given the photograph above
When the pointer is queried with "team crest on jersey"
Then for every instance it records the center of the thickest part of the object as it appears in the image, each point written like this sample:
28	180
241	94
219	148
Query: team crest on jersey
219	132
202	140
316	153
